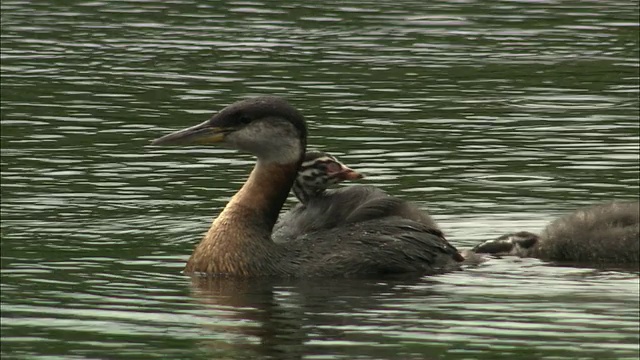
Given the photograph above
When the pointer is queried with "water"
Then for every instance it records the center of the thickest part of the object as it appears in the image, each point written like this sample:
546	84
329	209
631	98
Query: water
495	116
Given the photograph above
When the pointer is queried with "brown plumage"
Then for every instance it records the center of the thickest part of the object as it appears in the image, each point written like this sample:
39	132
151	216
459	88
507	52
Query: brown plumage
239	241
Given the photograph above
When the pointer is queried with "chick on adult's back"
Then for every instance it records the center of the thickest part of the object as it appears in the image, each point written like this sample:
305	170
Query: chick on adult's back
239	242
323	208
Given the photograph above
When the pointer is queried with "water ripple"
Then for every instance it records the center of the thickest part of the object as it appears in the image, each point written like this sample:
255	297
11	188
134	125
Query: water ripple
494	117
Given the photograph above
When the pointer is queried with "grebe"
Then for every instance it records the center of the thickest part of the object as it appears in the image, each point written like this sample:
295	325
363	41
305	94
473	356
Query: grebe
601	234
319	171
320	208
239	241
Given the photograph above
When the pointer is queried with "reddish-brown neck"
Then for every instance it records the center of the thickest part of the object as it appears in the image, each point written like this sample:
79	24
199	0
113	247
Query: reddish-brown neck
239	240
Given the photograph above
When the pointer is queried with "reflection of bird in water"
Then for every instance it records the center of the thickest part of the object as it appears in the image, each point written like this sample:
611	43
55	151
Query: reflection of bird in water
278	318
321	208
254	321
239	240
602	234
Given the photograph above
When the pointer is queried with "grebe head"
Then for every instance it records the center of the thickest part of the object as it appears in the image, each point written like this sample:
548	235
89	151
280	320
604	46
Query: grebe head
318	172
267	127
519	244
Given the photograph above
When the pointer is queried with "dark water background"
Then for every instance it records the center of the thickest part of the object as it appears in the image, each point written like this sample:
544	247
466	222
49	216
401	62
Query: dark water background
494	115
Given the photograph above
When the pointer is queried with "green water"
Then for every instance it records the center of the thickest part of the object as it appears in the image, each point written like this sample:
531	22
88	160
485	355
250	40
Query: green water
495	116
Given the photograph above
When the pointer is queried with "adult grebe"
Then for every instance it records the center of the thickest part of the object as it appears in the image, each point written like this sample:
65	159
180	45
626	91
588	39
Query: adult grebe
601	234
239	242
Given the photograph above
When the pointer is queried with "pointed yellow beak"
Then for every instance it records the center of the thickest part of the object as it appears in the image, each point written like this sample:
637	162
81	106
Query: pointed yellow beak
196	135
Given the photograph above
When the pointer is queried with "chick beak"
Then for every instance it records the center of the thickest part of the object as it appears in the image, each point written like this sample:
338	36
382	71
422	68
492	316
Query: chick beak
203	133
346	173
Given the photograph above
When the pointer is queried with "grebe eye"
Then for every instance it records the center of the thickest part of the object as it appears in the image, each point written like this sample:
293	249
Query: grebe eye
243	118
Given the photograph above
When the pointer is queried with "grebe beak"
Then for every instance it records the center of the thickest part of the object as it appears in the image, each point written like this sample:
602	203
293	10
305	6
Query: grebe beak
346	173
200	134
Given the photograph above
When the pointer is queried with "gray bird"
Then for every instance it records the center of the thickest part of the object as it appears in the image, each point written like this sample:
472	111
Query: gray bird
606	233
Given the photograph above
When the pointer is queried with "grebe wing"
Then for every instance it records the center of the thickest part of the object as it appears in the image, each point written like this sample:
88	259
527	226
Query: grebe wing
388	245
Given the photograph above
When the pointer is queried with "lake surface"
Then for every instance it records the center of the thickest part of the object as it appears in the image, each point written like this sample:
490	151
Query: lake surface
495	116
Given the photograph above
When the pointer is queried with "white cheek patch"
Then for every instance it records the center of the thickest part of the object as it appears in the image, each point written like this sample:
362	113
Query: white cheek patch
271	140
